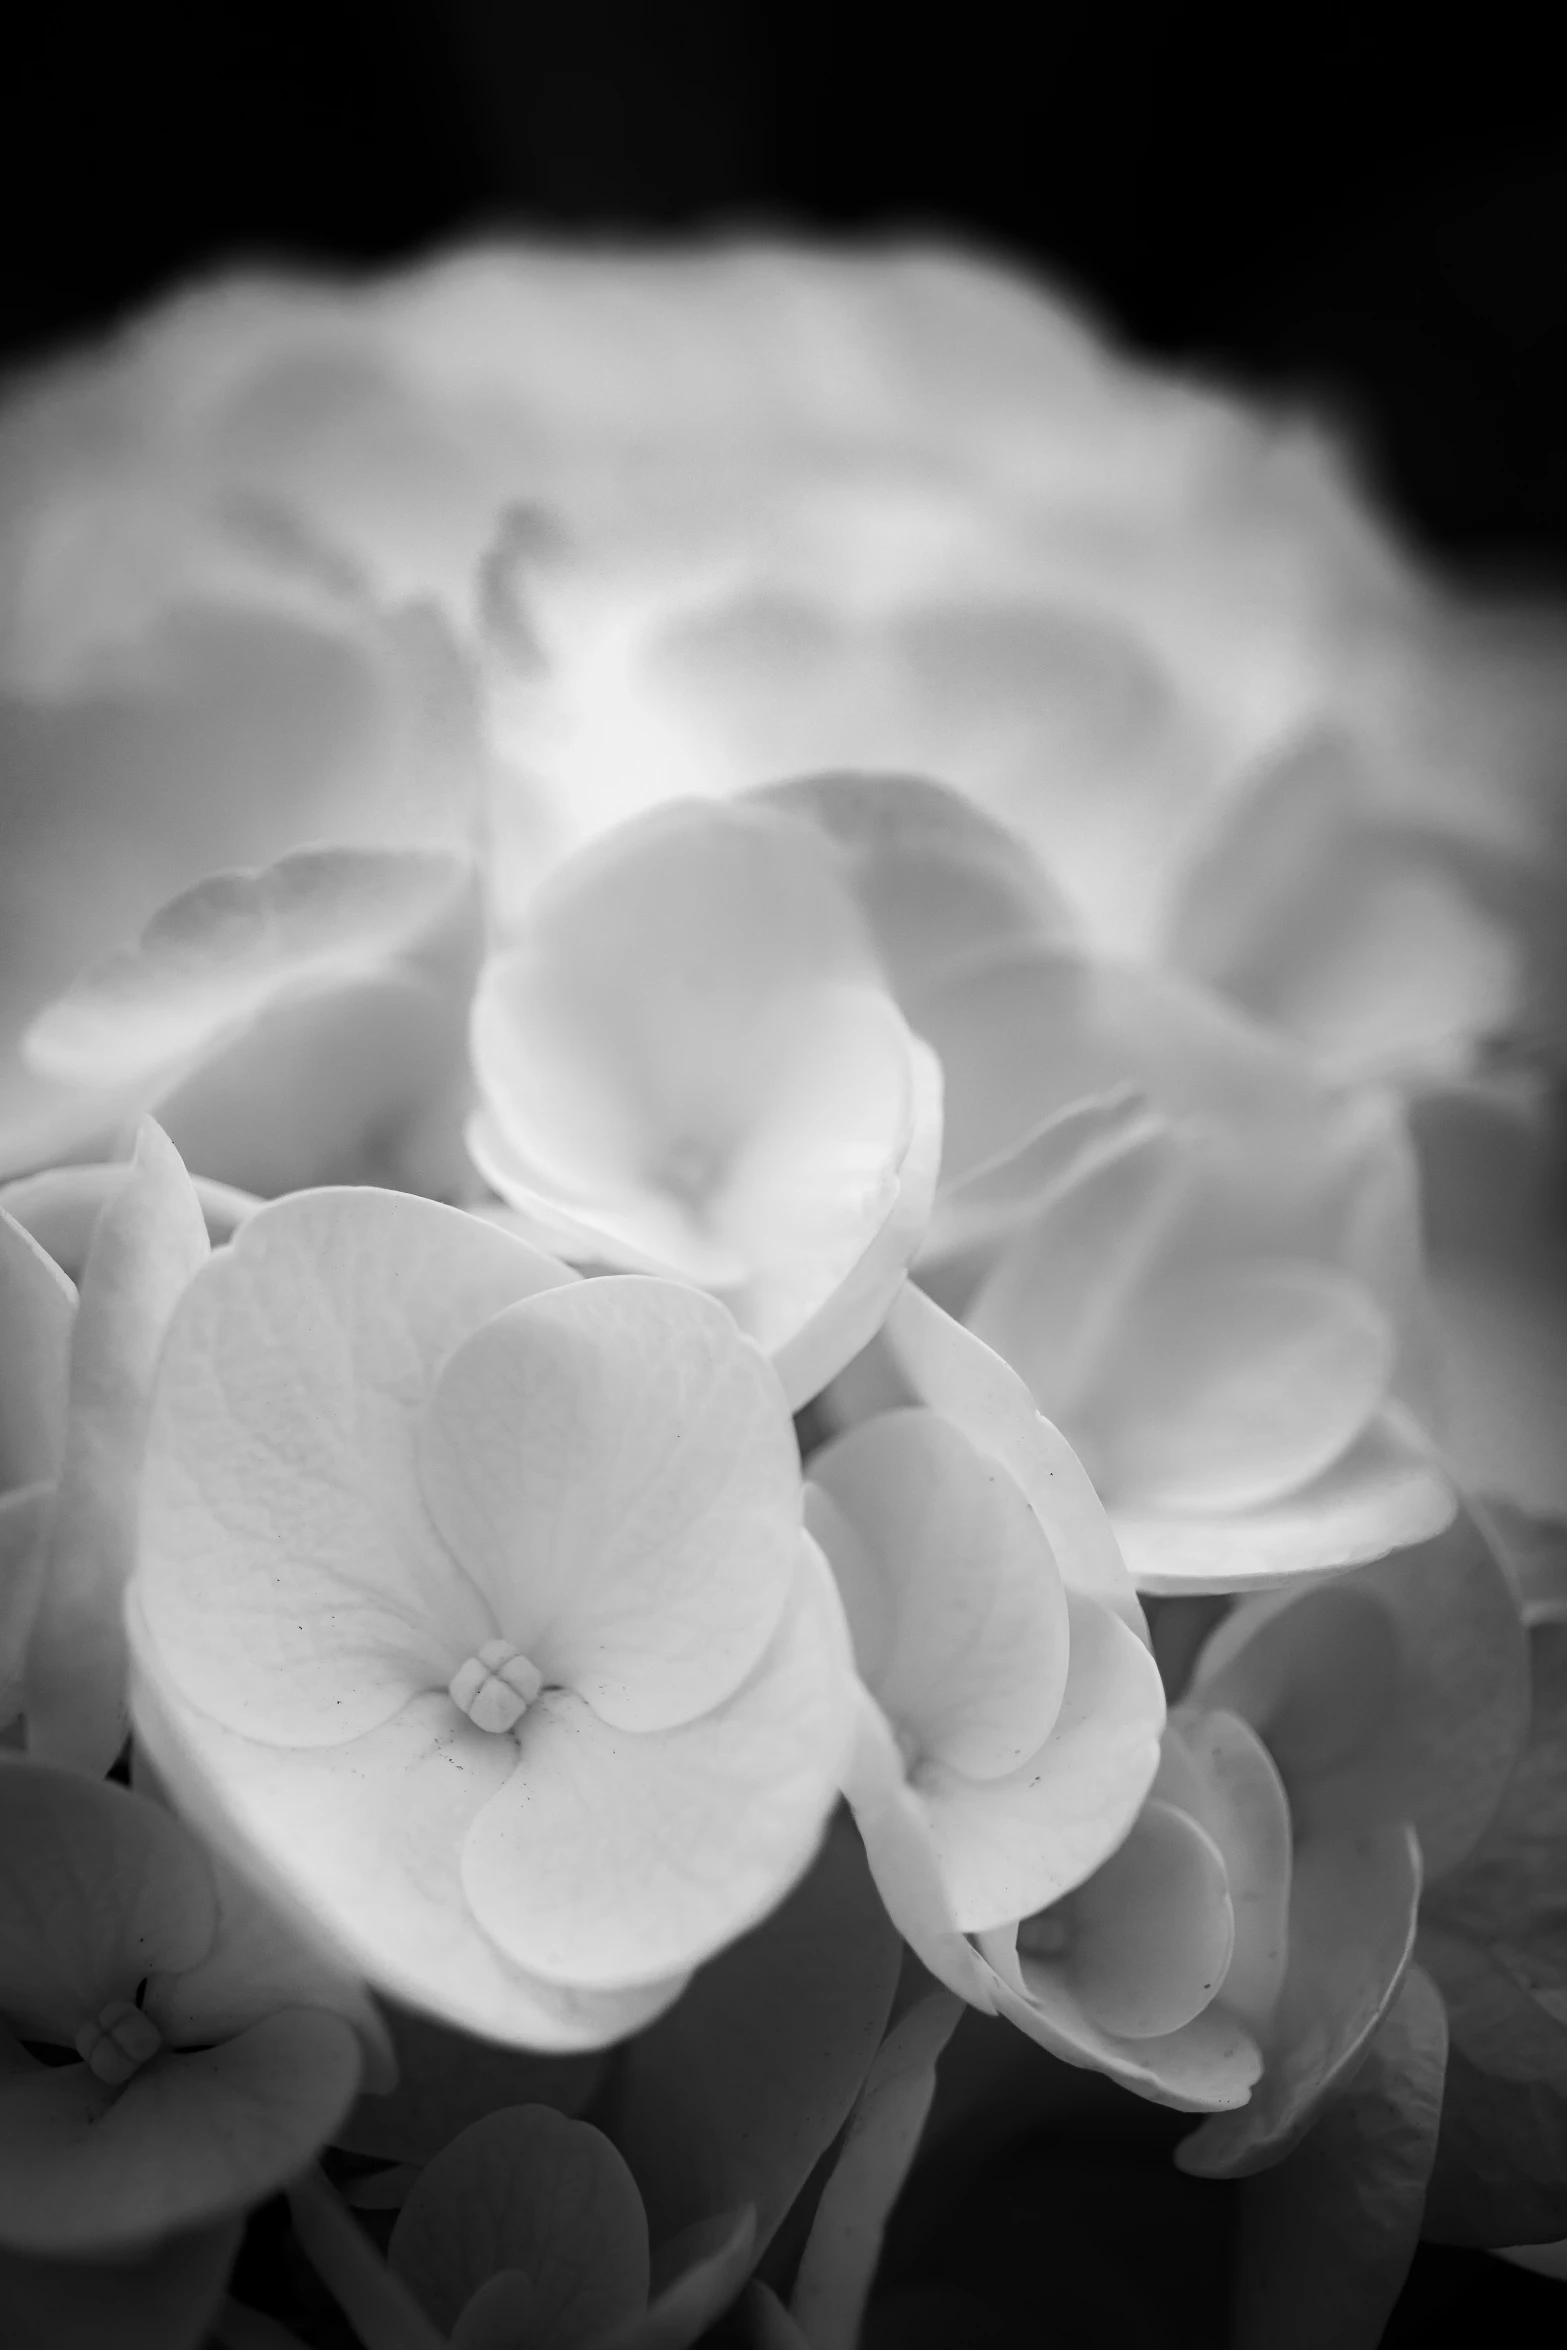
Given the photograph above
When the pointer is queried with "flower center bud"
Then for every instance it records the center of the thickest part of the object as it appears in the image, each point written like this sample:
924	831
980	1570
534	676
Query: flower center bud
496	1687
119	2043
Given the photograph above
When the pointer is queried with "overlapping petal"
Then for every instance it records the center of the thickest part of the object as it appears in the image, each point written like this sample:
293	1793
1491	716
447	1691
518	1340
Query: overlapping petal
283	1443
290	1025
608	1860
476	1607
111	1910
605	1543
1228	1369
945	1552
689	1064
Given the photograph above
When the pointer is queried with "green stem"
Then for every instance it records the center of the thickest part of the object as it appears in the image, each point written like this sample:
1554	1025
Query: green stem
379	2307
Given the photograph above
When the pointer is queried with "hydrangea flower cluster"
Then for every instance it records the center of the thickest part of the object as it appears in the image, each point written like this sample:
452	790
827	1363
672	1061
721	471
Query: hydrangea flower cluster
800	1312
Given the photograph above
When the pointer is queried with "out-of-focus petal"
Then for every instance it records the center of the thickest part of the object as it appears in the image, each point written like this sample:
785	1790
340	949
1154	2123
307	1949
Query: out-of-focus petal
1011	1846
624	1026
1230	1384
1051	1302
1356	933
609	1858
965	1380
527	2191
979	1208
976	1664
100	1890
1388	1491
1027	1032
938	880
614	1466
191	2135
24	1535
214	956
689	1063
1398	1693
1351	1931
289	1575
146	1248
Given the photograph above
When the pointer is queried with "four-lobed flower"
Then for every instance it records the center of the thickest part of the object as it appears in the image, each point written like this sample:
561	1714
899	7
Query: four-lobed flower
475	1603
169	2051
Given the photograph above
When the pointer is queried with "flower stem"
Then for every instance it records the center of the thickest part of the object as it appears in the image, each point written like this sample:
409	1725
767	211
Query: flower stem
379	2307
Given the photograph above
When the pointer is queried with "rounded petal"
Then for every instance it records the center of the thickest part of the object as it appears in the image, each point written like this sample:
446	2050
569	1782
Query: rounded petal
1008	1847
1029	1031
638	1015
974	1664
971	1385
60	1208
614	1466
527	2190
1228	1385
938	880
1240	1800
1388	1491
1145	1942
212	957
289	1574
362	1842
192	2135
1208	2066
611	1858
1399	1693
1352	1928
100	1889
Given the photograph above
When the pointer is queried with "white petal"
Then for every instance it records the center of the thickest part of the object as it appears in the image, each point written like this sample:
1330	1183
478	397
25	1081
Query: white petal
1146	1940
1228	1385
213	956
904	1861
146	1247
969	1384
1386	1492
976	1663
363	1843
1242	1804
1011	1846
610	1858
614	1466
290	1577
1208	2066
37	1309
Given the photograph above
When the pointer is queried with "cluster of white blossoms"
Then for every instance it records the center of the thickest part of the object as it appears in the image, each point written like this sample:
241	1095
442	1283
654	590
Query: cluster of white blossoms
737	991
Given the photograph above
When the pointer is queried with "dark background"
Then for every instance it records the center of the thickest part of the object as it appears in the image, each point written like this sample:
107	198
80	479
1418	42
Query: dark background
1343	200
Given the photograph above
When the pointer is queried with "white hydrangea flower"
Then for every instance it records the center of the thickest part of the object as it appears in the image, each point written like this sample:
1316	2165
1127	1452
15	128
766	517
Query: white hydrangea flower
476	1603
